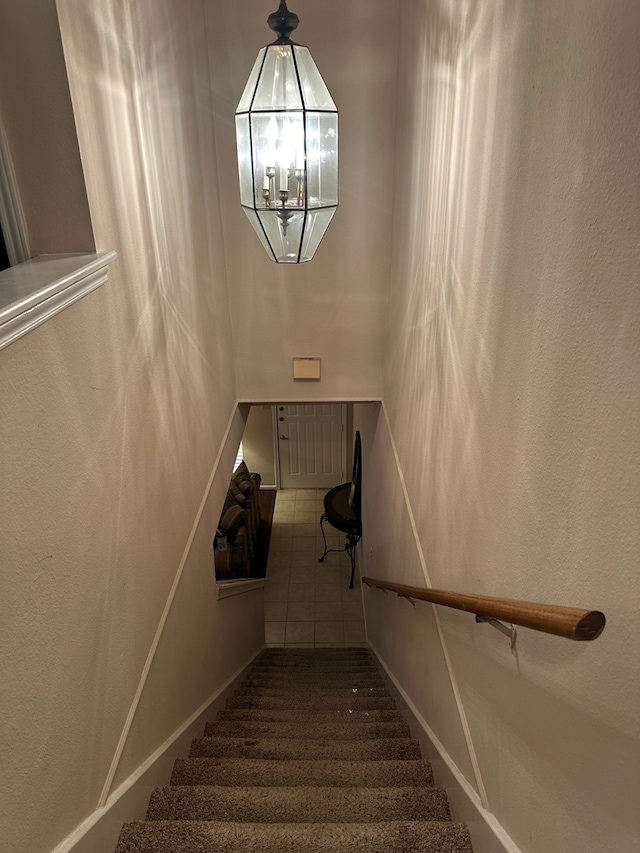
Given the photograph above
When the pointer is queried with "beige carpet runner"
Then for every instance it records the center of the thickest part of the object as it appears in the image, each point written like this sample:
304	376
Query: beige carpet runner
310	756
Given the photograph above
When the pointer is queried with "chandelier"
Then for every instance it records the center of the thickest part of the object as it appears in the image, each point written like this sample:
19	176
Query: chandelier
287	140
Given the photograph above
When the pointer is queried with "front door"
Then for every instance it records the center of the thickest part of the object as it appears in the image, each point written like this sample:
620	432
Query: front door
310	445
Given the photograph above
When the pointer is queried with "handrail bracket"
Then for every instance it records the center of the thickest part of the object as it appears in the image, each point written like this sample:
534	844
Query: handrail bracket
509	631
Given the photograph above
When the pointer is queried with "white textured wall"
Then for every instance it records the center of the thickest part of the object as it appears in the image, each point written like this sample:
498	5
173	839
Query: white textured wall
113	416
334	306
512	393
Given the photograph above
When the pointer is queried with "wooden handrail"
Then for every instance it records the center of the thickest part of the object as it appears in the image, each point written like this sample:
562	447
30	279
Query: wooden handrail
570	622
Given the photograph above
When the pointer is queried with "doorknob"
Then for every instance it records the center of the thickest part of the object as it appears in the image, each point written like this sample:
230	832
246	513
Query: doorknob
284	438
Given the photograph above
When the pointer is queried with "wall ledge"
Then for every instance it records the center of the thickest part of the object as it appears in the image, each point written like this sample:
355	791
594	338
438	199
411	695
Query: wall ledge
224	589
38	289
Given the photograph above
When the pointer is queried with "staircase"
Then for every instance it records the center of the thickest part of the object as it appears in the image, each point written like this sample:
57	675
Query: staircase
310	756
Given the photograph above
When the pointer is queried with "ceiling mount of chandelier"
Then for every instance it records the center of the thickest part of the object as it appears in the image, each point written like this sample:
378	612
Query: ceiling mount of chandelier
287	139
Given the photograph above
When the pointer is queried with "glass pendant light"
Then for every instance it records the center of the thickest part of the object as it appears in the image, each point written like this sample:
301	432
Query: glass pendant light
287	138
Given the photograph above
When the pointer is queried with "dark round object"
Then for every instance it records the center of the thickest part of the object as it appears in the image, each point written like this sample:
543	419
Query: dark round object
283	22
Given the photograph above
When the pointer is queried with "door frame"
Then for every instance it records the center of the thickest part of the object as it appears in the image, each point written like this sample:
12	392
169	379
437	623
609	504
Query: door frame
276	442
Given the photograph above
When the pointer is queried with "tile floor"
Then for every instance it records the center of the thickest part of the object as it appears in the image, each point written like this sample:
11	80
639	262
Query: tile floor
309	604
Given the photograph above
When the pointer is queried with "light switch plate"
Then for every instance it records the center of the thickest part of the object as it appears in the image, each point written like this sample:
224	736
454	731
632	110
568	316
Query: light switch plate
306	368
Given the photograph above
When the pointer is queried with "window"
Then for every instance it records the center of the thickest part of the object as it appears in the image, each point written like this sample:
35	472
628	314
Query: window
239	457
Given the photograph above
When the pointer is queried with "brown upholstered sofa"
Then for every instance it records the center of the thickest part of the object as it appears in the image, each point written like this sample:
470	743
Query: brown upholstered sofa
241	519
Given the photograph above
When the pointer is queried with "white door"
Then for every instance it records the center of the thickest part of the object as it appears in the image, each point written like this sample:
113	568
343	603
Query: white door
310	445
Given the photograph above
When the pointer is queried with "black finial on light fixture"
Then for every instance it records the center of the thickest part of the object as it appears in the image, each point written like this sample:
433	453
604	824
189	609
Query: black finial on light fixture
283	22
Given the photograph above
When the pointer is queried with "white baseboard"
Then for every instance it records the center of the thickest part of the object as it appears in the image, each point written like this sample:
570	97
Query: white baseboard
487	834
99	832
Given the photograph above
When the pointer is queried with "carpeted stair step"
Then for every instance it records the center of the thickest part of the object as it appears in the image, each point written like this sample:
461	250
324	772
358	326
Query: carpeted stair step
284	674
300	665
295	655
318	654
301	804
379	749
310	755
223	837
315	679
307	662
305	690
327	679
342	774
324	730
355	703
340	715
301	669
313	684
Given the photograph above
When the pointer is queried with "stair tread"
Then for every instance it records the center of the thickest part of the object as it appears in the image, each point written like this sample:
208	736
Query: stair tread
382	703
325	681
281	677
317	654
225	837
314	662
327	665
319	730
339	715
258	772
314	656
360	651
273	748
310	754
300	804
300	691
284	675
309	659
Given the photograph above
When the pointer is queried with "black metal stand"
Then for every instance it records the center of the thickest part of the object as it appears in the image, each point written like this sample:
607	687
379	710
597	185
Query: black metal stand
349	547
